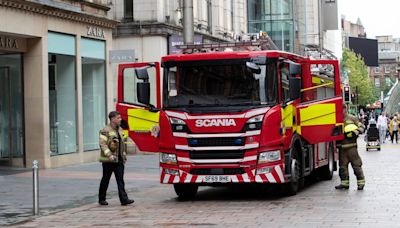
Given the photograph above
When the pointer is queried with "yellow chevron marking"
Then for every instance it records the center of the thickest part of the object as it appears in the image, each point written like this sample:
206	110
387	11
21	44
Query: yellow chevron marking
318	114
142	120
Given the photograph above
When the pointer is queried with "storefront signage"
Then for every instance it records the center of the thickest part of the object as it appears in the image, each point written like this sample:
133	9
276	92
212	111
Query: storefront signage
122	56
8	42
12	43
178	40
95	32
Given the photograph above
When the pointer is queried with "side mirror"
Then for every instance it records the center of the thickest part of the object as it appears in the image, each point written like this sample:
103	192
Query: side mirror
141	73
143	92
294	88
253	67
294	68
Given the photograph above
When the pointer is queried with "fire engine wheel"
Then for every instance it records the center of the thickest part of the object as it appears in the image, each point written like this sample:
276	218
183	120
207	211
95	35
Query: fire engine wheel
186	191
293	186
326	172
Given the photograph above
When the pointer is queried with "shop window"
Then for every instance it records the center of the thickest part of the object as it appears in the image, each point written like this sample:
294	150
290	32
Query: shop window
62	93
93	91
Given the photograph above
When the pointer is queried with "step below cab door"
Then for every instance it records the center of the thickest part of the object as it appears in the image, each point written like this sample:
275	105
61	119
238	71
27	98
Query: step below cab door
139	101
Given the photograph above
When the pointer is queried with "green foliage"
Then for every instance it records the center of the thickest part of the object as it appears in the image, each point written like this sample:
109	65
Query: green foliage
358	77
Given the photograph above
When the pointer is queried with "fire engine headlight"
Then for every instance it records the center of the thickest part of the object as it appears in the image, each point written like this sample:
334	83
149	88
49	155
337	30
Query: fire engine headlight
269	156
173	120
254	123
178	125
168	158
256	119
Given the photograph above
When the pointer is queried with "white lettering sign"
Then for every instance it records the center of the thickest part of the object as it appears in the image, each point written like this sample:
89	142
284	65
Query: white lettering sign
95	32
215	123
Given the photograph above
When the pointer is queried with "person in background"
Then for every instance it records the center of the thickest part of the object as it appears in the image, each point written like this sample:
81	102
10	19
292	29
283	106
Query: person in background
394	128
382	126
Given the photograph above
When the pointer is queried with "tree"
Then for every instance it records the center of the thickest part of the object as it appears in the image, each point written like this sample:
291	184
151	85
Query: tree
358	77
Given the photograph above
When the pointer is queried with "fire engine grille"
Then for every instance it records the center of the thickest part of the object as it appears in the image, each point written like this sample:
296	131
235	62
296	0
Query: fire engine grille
229	141
220	171
216	154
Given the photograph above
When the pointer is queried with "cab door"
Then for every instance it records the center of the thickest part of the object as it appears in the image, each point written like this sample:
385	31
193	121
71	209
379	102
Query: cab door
140	121
321	113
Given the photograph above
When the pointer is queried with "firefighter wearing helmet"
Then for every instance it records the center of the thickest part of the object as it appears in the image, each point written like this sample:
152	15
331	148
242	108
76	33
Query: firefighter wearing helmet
348	152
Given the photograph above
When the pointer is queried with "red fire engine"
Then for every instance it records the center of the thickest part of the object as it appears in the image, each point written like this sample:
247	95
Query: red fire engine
234	117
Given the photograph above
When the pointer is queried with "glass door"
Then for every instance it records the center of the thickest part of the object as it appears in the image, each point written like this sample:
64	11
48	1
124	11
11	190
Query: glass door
11	110
5	102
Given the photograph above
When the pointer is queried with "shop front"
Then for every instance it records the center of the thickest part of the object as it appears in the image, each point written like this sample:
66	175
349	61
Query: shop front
54	81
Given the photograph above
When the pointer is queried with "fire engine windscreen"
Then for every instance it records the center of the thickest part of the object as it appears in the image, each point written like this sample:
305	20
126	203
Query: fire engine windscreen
219	84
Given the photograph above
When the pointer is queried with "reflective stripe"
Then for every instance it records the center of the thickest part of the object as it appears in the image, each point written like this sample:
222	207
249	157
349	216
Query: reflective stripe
126	134
360	182
345	182
349	145
318	114
103	137
107	152
142	119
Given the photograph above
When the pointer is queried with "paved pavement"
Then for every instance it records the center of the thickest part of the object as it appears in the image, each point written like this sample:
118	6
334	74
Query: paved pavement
68	197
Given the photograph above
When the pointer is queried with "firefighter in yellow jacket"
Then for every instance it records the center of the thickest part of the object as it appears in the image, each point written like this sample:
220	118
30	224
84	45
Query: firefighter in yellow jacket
113	157
348	152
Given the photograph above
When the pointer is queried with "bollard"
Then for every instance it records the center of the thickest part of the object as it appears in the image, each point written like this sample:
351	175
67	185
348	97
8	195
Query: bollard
35	169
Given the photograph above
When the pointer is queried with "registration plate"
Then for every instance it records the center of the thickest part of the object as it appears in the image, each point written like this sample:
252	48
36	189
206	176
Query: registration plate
222	179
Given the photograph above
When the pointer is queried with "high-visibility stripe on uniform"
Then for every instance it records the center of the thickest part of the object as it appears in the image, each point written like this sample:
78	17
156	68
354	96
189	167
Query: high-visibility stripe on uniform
348	145
103	137
142	119
345	182
361	182
318	114
126	134
107	152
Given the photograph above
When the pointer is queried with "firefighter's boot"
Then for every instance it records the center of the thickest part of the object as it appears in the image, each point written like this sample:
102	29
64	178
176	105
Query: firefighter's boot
360	184
344	184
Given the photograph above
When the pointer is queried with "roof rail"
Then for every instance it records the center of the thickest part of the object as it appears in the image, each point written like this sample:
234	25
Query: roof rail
262	44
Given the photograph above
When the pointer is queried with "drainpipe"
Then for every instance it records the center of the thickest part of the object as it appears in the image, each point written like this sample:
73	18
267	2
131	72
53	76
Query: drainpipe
188	29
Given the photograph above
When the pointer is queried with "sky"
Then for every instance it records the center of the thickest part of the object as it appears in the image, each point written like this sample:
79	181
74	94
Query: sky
379	17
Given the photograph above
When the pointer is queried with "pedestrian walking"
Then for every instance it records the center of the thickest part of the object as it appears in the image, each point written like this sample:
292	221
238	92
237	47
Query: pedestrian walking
382	127
394	128
348	152
113	157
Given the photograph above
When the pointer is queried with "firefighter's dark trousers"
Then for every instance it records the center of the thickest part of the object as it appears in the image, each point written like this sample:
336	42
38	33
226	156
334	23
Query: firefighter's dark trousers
346	156
118	170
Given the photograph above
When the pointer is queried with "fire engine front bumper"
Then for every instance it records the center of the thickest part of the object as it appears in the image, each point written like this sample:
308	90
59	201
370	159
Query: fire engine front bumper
266	174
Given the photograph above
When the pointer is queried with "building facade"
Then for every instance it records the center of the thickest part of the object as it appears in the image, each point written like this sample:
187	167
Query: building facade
55	78
152	28
302	26
384	76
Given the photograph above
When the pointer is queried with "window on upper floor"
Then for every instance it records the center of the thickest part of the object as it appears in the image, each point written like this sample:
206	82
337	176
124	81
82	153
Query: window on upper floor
128	10
377	70
387	69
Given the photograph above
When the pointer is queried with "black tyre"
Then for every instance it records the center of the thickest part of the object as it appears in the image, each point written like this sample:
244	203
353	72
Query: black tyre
293	186
186	191
326	172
